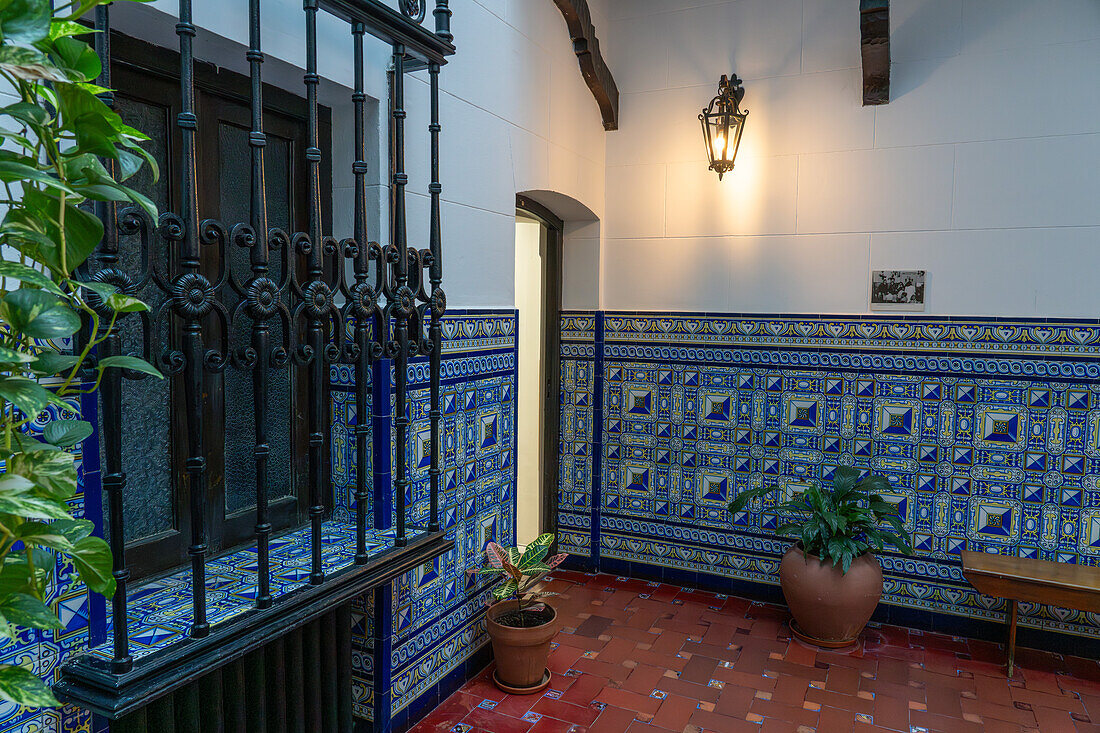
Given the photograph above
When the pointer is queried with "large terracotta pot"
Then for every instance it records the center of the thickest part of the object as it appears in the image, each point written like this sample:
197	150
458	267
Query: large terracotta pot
830	607
521	653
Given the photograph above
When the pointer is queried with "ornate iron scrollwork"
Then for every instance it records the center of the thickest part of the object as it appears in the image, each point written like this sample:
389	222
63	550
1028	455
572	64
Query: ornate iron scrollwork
415	9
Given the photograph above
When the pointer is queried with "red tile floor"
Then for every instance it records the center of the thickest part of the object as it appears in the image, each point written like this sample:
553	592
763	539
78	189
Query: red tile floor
638	657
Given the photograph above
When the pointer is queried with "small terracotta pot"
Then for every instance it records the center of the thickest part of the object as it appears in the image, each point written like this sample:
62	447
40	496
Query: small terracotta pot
521	653
829	606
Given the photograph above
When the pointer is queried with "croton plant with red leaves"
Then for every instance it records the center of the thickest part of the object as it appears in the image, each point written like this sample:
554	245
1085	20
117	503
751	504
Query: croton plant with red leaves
520	570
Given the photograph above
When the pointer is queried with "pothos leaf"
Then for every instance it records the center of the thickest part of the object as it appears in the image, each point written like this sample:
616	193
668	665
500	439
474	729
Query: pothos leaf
92	557
66	433
26	610
24	273
23	687
129	362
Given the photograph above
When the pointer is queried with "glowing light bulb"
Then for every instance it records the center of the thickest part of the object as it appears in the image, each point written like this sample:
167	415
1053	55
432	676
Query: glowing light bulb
719	145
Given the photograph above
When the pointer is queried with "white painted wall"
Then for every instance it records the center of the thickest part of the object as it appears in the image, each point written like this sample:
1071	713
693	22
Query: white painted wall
983	169
516	116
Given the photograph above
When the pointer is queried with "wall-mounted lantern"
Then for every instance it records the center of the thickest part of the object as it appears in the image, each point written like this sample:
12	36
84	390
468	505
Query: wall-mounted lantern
723	122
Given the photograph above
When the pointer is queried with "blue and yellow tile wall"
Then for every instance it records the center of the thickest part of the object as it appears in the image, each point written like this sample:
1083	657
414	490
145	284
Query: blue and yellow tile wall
578	371
988	429
415	638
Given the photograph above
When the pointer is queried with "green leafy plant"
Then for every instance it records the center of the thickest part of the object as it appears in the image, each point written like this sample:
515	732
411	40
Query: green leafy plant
840	523
520	571
61	147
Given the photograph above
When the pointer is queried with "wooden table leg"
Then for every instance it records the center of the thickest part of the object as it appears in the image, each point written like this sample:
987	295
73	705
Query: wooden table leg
1011	635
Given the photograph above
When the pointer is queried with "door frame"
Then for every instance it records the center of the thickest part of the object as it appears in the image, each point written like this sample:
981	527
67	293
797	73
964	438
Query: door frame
551	307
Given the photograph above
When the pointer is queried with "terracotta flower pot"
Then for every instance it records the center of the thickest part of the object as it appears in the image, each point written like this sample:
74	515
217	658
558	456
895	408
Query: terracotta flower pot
830	607
521	653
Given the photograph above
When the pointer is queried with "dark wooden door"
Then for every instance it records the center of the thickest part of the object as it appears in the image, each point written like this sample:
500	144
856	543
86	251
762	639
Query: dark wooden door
156	503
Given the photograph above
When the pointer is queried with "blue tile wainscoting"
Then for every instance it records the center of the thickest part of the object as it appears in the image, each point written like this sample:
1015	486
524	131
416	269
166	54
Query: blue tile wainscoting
418	639
988	429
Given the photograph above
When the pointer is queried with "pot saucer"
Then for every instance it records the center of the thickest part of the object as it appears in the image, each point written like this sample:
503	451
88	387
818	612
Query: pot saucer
542	685
841	644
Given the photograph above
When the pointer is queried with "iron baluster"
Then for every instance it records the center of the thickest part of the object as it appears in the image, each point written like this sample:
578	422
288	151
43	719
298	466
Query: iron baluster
442	15
192	299
403	295
114	477
363	302
438	301
317	299
262	300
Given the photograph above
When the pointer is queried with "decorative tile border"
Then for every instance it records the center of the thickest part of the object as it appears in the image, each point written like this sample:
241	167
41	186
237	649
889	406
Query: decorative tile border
989	430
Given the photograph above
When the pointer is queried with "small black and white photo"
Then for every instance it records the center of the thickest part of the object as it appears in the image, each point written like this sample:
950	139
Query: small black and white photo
897	290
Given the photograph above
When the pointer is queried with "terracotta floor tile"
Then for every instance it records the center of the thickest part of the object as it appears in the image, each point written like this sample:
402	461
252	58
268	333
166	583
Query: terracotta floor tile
617	650
719	652
612	720
717	723
553	725
1052	720
675	712
565	711
837	720
719	633
770	709
699	670
734	701
639	726
516	705
593	626
1042	699
840	700
584	689
772	725
891	712
600	668
689	689
769	683
496	722
629	700
790	690
688	628
844	680
656	659
640	635
799	653
643	679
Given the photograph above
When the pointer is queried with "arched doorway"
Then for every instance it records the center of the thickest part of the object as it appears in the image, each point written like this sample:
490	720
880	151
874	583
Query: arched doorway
538	274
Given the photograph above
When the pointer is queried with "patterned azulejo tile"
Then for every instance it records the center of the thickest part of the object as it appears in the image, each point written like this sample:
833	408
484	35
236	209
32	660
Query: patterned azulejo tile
988	431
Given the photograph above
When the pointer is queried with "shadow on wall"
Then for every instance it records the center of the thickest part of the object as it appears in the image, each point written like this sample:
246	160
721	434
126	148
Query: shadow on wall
914	72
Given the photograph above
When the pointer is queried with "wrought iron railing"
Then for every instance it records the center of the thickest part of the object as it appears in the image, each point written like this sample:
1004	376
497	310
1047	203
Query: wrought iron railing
390	304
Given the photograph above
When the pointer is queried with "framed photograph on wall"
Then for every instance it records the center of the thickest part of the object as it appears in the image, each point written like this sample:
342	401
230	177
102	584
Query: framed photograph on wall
897	290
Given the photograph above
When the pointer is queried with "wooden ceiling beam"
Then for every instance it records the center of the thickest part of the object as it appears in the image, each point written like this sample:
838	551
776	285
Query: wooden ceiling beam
874	26
594	69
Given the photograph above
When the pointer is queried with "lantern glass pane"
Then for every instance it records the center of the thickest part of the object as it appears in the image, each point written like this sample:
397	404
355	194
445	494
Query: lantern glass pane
719	138
737	126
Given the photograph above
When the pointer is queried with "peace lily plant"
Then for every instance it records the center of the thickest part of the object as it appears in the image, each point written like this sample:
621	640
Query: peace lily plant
830	577
60	147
